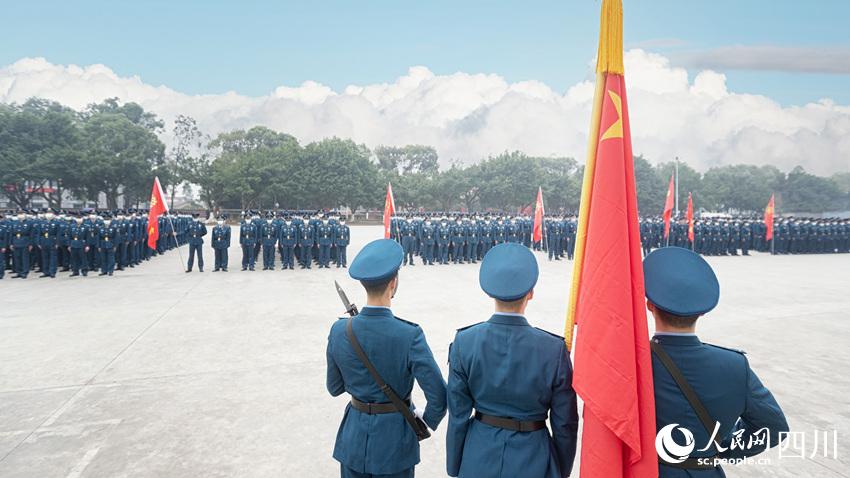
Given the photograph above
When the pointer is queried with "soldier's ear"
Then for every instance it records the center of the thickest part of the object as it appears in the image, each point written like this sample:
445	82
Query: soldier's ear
530	295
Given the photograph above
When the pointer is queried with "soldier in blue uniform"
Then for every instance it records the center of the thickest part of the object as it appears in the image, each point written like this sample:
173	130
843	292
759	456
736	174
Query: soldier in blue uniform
553	239
78	247
20	243
48	243
247	240
443	241
374	439
221	243
729	397
268	237
324	238
513	376
408	240
4	243
306	240
342	238
106	246
458	239
195	232
287	240
429	240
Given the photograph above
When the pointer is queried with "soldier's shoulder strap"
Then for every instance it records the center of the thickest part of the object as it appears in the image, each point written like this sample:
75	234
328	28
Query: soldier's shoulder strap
727	348
406	321
550	333
469	326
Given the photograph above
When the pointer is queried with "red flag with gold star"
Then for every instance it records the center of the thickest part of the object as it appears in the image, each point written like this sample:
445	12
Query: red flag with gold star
537	232
613	367
157	208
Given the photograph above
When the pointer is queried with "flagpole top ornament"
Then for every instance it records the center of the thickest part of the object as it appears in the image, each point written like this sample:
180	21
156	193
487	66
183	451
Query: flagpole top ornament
610	56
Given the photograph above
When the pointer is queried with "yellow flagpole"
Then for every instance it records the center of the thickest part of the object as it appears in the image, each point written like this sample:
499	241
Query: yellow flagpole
609	60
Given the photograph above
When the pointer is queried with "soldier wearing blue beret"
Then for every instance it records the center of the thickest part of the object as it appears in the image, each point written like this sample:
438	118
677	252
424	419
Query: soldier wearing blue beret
513	376
374	438
707	390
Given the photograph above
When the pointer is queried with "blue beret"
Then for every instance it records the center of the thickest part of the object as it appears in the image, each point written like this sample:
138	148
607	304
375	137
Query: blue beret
377	262
508	272
680	282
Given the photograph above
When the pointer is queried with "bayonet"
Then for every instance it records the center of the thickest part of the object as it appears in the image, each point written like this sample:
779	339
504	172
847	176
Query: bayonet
350	308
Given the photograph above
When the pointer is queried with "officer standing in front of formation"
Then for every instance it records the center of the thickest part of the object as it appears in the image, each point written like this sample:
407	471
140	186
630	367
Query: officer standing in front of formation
374	439
429	239
513	376
106	246
306	240
196	230
408	240
77	247
248	239
342	238
709	390
221	243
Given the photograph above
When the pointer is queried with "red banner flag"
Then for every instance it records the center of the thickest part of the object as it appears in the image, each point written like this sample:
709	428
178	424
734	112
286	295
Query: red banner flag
690	218
768	218
613	367
389	211
668	207
537	234
157	208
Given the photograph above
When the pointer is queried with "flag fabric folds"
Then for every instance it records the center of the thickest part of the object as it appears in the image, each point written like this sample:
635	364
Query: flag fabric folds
668	207
157	208
613	368
389	211
537	232
768	218
690	218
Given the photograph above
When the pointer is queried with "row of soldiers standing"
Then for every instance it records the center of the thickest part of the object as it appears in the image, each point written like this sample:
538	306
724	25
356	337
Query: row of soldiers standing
83	241
727	236
294	236
466	238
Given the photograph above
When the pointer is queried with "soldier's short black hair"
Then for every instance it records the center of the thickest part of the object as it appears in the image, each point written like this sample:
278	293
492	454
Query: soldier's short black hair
676	321
377	289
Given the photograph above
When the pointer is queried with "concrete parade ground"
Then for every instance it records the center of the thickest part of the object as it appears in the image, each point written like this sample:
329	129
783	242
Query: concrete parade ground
157	373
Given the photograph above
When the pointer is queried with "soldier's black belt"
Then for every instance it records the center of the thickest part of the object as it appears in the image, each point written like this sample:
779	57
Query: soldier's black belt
510	423
691	464
375	408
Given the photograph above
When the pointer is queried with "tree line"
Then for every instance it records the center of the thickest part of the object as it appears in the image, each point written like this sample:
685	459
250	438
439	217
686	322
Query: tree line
115	150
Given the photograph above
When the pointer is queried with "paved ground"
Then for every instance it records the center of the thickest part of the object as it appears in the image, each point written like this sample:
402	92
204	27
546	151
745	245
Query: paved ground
158	373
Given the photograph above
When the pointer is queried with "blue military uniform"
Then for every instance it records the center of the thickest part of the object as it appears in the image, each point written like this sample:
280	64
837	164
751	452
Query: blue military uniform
106	247
20	242
513	376
220	244
48	243
408	240
373	444
681	283
288	238
342	238
324	238
196	230
247	240
77	235
306	240
268	237
4	244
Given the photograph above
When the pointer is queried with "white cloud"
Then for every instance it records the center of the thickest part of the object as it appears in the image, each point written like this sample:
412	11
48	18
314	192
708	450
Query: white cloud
469	116
828	59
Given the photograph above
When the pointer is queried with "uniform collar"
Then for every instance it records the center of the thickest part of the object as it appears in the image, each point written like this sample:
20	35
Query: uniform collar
376	311
684	339
505	318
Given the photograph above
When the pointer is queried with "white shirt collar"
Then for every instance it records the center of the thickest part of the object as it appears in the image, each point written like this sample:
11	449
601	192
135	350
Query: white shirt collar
677	334
511	314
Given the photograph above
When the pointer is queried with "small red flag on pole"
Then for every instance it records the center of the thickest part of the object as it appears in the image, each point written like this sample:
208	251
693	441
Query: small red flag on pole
537	234
668	207
389	211
690	218
157	208
768	218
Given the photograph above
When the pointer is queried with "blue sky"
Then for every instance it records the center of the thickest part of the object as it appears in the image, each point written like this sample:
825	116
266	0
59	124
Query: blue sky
252	47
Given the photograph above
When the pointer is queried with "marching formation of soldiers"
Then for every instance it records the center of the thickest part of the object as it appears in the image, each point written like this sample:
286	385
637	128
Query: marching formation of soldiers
728	236
293	236
466	238
83	241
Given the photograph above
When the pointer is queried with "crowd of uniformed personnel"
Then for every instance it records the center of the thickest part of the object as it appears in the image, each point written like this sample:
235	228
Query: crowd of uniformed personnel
52	241
298	237
729	236
465	238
